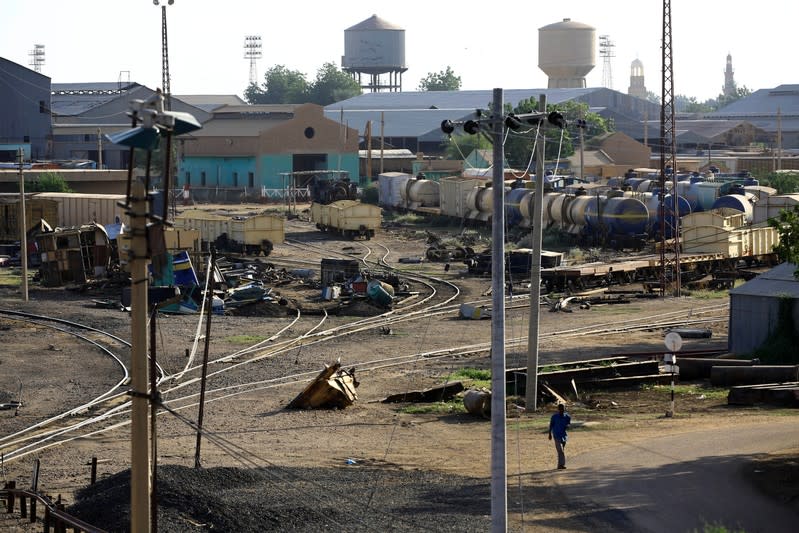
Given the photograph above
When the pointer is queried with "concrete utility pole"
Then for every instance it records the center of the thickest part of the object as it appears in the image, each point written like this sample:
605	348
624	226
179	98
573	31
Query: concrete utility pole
139	427
23	230
499	479
531	388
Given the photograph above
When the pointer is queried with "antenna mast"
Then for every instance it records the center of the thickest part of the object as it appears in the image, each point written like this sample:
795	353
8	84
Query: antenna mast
669	247
252	51
37	57
606	47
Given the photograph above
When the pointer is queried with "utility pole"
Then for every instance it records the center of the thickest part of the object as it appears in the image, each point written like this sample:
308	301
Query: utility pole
23	230
210	303
499	479
99	149
382	138
531	388
139	427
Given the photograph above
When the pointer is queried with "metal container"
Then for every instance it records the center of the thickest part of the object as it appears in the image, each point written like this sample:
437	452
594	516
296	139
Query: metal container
380	292
351	217
770	207
513	206
389	187
244	234
374	46
744	203
625	216
566	53
75	209
652	202
420	193
35	209
454	192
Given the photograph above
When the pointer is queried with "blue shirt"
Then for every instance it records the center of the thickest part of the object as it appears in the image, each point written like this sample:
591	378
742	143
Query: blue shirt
558	424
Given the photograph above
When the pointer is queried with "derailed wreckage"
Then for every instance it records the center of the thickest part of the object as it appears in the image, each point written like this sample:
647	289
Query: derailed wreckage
332	388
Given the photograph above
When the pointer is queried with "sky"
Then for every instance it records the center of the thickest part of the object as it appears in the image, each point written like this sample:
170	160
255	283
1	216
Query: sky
489	44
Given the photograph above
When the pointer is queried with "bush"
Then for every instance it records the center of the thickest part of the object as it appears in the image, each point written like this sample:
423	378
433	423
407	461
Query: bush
48	182
370	195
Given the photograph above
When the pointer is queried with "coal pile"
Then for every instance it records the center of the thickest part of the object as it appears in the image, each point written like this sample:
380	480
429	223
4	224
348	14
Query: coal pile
353	497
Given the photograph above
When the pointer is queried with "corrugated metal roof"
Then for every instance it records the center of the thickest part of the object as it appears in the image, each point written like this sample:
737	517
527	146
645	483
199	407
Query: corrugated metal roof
210	102
374	23
779	281
467	100
70	99
235	127
764	102
418	123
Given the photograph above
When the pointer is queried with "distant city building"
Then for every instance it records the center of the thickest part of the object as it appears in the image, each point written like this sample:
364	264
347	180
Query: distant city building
729	89
637	87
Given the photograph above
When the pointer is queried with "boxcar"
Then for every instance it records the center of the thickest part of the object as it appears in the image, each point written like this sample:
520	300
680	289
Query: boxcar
250	235
349	218
36	209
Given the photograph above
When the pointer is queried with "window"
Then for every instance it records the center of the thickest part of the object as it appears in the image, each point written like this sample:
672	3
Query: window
188	178
202	178
42	109
235	179
250	179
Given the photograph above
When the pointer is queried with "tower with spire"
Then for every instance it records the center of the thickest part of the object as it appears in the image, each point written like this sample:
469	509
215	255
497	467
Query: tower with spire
637	87
729	89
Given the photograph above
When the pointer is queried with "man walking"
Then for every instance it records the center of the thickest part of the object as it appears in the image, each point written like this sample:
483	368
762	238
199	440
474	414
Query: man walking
557	427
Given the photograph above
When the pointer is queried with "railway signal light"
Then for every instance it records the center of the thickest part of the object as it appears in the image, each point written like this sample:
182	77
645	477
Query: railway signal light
447	126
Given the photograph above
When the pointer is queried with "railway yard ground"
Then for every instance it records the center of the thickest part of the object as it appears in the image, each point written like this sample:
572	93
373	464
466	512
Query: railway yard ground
385	466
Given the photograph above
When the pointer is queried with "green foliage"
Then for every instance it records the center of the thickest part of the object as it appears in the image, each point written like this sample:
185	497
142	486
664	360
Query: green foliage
48	182
784	182
462	144
787	225
332	85
285	86
451	407
473	376
445	80
689	104
370	195
740	92
717	528
519	145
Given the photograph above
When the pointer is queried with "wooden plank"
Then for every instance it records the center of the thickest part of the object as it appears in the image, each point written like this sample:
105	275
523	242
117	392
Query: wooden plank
725	376
433	394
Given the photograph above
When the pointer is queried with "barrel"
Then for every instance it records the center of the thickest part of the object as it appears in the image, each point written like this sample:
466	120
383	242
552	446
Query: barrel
380	292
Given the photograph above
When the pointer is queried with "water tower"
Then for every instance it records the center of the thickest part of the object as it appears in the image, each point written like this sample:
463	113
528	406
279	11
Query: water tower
566	53
375	48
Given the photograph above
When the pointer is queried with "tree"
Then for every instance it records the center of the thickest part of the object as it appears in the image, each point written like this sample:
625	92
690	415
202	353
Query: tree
48	182
519	144
689	104
445	80
463	144
281	86
725	100
784	182
332	85
787	225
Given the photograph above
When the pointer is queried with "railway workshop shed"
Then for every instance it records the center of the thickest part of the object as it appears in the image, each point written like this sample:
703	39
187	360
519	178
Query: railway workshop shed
249	149
755	308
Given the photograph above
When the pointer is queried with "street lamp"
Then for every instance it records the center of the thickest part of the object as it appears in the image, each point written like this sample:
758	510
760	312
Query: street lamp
165	55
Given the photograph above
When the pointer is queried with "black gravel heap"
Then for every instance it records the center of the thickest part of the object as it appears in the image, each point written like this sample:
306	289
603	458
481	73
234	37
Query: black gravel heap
353	497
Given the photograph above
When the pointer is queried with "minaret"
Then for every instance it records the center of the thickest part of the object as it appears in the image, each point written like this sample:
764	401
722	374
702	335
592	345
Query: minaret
729	88
637	87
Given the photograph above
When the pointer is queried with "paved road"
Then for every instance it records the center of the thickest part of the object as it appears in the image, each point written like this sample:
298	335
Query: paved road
680	482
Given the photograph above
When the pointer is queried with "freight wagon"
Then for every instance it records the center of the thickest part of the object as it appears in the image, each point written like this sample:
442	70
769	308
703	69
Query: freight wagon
349	218
36	209
249	235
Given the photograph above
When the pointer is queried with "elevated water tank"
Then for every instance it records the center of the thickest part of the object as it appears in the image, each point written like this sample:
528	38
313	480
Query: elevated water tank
375	47
566	53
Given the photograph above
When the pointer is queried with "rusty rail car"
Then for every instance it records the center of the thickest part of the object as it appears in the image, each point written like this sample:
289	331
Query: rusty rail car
240	234
349	218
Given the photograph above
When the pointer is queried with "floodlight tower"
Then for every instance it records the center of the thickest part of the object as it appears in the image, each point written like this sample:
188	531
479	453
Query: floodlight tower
252	51
165	56
669	248
37	57
606	47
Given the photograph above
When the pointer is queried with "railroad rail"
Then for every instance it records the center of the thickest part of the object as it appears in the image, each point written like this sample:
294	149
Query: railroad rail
54	514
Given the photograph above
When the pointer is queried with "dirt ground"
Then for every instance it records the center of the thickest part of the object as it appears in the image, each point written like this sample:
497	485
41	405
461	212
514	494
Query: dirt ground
58	371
